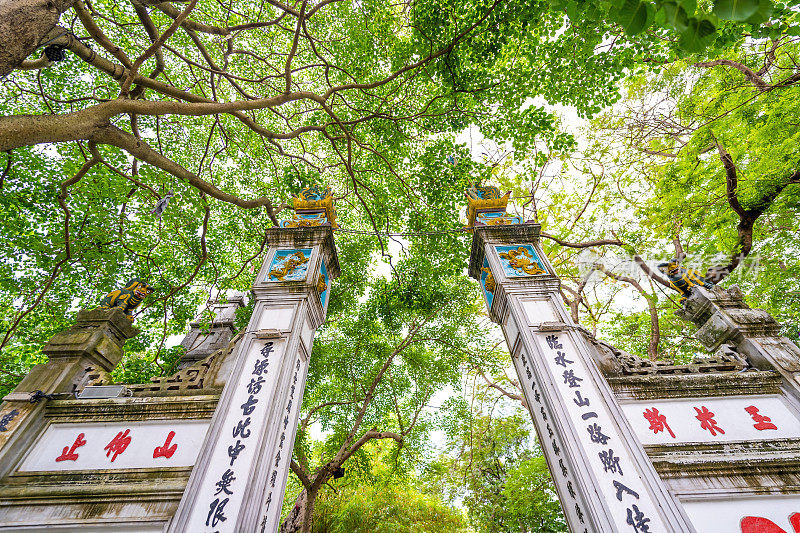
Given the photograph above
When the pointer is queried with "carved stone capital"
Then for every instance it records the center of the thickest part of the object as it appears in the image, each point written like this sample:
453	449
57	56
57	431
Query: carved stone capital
97	337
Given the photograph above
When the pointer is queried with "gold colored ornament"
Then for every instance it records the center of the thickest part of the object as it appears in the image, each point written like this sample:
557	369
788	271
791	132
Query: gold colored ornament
505	220
291	264
127	298
303	222
321	285
489	282
316	198
483	198
521	259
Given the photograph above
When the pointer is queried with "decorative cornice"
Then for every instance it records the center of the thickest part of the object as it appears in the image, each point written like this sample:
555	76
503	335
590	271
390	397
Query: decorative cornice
694	385
527	233
132	409
778	457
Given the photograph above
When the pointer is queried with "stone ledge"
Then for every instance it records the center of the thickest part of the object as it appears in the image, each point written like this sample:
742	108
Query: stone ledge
132	409
670	386
740	458
94	486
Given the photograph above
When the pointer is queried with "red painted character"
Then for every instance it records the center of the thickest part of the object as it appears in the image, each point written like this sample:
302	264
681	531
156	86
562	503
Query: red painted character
118	444
68	453
707	421
758	524
657	421
166	450
761	422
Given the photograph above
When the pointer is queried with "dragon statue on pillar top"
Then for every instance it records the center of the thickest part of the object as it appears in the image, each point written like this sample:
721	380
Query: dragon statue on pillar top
486	206
681	279
313	206
127	298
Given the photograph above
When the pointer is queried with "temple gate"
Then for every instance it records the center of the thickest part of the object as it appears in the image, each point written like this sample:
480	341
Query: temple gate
632	445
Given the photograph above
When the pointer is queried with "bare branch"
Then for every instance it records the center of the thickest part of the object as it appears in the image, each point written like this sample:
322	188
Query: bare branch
655	330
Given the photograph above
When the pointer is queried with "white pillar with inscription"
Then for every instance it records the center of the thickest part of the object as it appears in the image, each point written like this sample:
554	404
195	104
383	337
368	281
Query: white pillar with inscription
604	479
238	482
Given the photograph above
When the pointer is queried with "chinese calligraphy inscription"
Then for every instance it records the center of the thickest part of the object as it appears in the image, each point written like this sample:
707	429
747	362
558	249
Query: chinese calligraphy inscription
712	419
603	447
103	446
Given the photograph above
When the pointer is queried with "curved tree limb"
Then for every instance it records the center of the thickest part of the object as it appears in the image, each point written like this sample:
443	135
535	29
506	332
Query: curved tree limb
655	330
121	139
747	217
751	76
587	244
24	24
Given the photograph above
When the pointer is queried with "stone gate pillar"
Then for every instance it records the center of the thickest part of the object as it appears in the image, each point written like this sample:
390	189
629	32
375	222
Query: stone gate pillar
239	479
723	317
604	479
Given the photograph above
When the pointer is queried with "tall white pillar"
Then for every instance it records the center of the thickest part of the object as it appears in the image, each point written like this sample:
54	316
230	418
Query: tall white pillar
238	482
604	479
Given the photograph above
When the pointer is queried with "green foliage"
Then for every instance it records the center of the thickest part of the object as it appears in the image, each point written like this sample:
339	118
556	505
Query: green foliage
502	477
389	507
531	499
16	362
395	340
651	172
740	10
140	367
635	16
697	27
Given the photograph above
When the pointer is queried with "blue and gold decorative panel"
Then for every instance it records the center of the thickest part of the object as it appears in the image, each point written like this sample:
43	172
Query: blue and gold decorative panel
289	265
520	261
487	282
323	284
306	220
496	218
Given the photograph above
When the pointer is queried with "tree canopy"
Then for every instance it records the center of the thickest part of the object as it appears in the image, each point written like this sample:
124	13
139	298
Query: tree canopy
633	130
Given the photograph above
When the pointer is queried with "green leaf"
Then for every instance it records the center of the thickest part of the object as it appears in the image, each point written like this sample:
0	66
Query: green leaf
735	9
634	16
675	16
689	5
763	13
698	34
572	12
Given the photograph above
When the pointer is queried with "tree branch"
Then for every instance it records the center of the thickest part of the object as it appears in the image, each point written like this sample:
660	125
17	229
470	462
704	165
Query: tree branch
586	244
121	139
751	76
655	330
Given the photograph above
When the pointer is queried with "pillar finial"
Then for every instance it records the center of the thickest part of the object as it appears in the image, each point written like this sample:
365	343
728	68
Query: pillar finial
313	206
487	207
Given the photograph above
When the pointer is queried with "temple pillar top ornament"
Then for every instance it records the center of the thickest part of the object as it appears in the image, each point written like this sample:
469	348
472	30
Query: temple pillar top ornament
486	206
313	206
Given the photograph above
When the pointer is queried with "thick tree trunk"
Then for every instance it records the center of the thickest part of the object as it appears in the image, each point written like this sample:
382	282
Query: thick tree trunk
301	514
655	330
23	24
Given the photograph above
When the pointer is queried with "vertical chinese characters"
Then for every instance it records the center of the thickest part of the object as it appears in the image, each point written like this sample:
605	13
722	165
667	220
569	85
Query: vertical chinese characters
240	431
